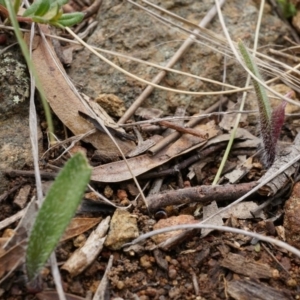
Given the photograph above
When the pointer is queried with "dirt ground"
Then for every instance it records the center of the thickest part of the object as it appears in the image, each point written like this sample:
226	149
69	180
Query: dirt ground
177	179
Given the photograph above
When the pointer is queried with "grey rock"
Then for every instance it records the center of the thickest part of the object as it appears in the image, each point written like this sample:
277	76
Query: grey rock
15	147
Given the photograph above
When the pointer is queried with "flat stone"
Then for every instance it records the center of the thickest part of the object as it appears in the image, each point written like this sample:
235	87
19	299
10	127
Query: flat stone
123	229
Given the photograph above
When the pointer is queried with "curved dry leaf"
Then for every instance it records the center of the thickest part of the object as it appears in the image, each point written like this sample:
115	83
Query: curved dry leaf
118	171
79	226
63	100
11	259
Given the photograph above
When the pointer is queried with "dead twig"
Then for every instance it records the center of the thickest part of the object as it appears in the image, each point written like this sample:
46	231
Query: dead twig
175	135
203	194
6	194
183	129
92	9
293	58
103	288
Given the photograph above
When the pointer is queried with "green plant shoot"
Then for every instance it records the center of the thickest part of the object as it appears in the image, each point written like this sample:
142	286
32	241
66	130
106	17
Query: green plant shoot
48	12
271	121
56	212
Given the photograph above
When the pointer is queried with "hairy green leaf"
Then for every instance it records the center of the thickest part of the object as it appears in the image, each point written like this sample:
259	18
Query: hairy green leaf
56	212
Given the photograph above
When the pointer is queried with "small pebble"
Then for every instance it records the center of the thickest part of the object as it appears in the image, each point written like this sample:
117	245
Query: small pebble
121	194
120	285
291	217
149	271
161	291
174	292
151	292
172	272
79	241
291	282
174	262
108	192
145	261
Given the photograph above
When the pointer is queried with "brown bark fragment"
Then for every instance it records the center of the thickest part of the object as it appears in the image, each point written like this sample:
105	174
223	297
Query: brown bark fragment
239	264
249	290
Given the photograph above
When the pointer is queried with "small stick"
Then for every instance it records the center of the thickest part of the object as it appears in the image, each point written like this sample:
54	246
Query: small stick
182	129
293	58
275	259
6	194
103	287
202	194
92	9
175	135
16	173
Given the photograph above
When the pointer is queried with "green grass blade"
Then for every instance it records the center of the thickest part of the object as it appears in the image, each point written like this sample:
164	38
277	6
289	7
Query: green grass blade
270	124
56	212
262	98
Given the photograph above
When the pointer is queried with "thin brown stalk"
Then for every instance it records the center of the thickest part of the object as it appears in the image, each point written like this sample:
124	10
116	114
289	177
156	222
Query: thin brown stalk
175	135
182	129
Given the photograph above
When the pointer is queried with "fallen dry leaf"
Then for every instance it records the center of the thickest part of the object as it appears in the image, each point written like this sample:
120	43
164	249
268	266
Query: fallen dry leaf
11	259
79	226
118	171
63	100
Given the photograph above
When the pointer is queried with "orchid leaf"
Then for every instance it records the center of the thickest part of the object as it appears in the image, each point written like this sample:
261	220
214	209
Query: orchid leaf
56	212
